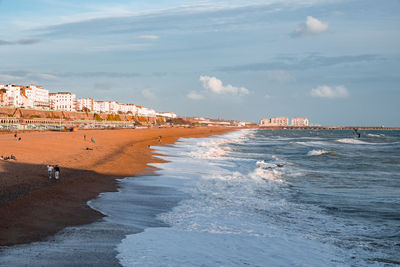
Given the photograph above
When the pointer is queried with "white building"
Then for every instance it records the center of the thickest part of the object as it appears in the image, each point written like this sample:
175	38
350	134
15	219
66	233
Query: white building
127	108
114	107
83	104
104	106
35	97
63	101
145	112
170	115
13	95
299	122
277	121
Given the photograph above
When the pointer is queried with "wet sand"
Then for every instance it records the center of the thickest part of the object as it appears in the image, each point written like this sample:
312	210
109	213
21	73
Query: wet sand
33	207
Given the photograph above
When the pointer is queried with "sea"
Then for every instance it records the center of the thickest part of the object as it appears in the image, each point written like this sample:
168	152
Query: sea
252	197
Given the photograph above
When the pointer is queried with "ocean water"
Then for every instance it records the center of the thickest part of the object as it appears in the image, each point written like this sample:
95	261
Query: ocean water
276	198
248	198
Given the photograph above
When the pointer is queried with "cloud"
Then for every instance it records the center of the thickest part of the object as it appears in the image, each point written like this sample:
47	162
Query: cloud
215	86
20	75
148	94
304	62
194	95
280	76
311	27
3	42
325	91
148	37
8	77
28	41
108	74
104	86
46	76
267	96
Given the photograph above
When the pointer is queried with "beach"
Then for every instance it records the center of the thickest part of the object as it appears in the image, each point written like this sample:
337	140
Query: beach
32	207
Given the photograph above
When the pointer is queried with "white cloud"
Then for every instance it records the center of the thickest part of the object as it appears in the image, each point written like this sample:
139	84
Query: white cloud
311	27
148	94
46	76
194	95
280	76
330	92
148	37
215	86
10	78
267	96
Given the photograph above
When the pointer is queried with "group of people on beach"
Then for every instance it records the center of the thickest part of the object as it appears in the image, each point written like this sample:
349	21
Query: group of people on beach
53	171
12	157
16	138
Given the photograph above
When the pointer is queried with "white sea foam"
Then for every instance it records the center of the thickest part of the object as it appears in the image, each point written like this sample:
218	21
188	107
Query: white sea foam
375	135
317	152
309	143
229	217
352	141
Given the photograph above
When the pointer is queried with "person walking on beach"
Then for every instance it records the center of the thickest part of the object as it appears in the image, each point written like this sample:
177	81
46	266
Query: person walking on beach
50	170
15	136
92	139
84	137
57	172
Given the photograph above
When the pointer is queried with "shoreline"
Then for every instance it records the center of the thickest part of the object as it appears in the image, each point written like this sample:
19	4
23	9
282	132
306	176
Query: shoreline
34	208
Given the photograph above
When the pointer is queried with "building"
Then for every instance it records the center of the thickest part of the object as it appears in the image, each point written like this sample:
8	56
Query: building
85	104
170	115
63	101
12	95
34	96
299	122
127	109
145	112
114	107
104	106
277	121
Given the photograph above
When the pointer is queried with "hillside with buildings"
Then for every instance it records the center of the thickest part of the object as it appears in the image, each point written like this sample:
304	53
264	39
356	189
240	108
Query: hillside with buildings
38	98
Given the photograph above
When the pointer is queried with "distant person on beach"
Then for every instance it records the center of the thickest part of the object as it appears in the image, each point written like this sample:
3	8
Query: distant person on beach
50	170
159	139
57	172
84	137
92	139
15	136
19	138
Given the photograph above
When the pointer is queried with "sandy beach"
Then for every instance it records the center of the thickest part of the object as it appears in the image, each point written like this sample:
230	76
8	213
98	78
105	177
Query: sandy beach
33	207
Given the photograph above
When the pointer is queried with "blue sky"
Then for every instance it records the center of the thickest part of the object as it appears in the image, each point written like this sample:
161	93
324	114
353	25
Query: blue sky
335	62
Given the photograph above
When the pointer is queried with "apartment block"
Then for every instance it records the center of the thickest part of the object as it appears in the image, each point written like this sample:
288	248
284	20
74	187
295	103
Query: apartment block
276	121
63	101
299	122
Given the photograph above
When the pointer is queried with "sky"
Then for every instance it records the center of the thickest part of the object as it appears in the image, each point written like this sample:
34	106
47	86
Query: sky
336	62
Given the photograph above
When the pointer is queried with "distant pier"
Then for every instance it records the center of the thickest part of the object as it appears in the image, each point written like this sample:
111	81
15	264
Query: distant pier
329	128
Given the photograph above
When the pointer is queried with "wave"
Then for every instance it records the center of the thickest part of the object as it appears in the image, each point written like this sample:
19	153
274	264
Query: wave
352	141
317	152
309	143
375	135
217	148
269	171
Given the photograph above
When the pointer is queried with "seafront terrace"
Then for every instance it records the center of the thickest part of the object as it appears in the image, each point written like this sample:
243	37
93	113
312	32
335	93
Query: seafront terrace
11	124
